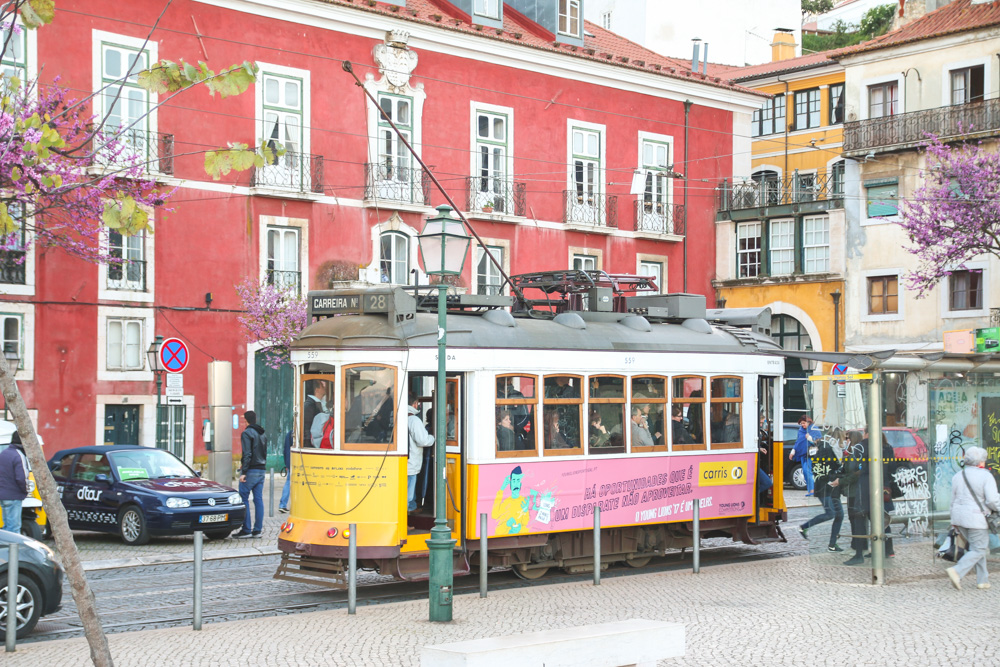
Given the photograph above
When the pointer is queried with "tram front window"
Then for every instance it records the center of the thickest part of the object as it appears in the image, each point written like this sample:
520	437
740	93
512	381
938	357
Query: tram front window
607	414
317	426
369	404
516	403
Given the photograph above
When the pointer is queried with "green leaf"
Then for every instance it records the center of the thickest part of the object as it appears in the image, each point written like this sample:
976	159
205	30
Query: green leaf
7	224
15	174
111	216
36	13
234	80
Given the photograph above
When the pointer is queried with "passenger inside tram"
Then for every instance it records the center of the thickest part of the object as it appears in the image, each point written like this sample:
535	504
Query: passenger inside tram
554	439
599	435
505	432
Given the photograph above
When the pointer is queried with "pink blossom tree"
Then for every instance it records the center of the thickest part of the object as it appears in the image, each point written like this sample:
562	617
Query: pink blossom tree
274	316
954	215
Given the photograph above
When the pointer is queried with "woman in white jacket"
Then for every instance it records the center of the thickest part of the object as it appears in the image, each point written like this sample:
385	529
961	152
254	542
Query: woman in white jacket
973	492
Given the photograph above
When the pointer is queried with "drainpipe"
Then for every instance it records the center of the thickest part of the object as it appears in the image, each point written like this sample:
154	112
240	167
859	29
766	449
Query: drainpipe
836	320
687	180
789	108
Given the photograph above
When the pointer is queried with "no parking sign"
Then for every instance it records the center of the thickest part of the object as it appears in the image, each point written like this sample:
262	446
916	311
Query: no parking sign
174	355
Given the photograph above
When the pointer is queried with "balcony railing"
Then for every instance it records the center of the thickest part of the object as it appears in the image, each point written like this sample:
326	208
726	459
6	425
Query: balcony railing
294	172
288	280
795	189
909	129
130	275
12	267
495	195
153	150
392	183
593	210
658	217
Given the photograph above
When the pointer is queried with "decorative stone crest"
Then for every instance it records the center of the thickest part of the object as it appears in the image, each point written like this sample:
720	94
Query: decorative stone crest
395	60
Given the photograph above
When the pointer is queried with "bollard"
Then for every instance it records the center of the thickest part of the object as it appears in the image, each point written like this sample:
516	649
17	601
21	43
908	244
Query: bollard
597	545
696	538
482	555
12	591
352	570
199	538
270	496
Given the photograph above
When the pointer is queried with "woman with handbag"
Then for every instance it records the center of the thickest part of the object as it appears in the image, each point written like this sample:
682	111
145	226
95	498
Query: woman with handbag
973	490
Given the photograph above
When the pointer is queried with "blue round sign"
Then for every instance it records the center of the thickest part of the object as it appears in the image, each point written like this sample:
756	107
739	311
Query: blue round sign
174	355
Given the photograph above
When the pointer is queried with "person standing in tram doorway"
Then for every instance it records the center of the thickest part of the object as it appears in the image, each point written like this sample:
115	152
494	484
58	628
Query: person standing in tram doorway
13	483
252	466
419	438
804	442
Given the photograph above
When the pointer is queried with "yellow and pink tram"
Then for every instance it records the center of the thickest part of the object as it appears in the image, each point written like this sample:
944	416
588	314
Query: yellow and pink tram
591	395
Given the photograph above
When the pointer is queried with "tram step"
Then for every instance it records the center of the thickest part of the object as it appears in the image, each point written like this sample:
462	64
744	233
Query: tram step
306	570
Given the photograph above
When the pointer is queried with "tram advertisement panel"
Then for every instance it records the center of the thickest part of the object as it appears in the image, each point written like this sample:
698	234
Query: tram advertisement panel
546	496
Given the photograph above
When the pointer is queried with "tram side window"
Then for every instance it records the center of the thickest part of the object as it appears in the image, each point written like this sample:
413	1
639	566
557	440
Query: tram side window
369	406
687	413
517	400
649	403
726	412
317	426
607	414
563	403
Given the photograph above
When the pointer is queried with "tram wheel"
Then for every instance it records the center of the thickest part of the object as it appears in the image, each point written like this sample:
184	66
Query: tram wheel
529	574
638	561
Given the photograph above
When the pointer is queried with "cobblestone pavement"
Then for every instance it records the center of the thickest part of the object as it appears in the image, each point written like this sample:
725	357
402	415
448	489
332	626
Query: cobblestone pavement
803	610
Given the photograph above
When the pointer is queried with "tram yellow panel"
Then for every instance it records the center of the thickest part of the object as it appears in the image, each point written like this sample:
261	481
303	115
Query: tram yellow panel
330	489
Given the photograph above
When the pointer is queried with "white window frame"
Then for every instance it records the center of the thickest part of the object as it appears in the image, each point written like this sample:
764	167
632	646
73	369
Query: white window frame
900	313
945	290
878	220
948	68
394	260
28	288
373	272
642	261
106	313
476	142
829	174
740	253
503	246
651	176
564	14
28	70
606	20
483	8
807	246
25	313
772	248
865	106
286	164
596	212
102	38
142	296
810	113
417	97
147	418
301	225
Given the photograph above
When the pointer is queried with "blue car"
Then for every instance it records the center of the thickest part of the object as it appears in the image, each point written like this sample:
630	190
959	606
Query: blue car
139	492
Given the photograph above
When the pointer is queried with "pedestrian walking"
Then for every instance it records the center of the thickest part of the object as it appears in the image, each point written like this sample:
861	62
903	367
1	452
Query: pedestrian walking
252	466
805	442
287	489
13	483
973	494
828	470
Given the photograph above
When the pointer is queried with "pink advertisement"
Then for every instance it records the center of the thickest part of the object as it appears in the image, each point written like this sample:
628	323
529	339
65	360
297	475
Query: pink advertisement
556	495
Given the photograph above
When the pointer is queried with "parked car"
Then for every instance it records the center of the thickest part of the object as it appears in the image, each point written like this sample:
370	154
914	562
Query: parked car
906	444
139	492
34	522
39	581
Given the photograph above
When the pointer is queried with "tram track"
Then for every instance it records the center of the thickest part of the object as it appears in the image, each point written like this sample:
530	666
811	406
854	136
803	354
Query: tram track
227	598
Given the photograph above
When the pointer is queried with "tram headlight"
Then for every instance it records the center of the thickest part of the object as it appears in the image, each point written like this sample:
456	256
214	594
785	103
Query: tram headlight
235	499
177	503
347	533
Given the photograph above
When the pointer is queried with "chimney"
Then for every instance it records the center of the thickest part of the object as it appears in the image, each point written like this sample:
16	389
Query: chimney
694	57
704	60
783	46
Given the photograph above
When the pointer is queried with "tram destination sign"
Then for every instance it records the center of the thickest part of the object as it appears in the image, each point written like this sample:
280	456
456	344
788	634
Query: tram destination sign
339	304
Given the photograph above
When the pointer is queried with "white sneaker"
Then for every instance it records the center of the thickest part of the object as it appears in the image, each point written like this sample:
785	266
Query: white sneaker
955	579
983	586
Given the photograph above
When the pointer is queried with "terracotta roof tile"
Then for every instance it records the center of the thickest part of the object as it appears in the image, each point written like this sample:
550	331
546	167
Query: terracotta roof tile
956	16
781	66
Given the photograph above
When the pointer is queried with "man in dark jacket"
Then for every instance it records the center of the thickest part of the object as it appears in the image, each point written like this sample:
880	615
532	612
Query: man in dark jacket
252	466
13	483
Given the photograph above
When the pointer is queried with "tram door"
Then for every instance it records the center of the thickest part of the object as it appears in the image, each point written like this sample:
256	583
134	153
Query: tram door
770	463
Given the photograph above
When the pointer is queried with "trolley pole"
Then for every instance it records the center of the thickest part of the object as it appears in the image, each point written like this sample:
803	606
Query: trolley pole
440	545
875	486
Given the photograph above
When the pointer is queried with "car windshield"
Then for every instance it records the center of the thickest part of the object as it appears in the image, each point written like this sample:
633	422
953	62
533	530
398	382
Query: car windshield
900	439
791	432
148	464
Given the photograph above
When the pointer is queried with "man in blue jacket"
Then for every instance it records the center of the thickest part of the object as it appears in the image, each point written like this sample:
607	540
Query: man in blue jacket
13	483
807	437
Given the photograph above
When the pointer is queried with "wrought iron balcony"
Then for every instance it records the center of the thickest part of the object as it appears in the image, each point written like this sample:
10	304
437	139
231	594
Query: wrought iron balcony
590	210
12	267
907	130
770	192
495	195
658	217
292	172
396	184
288	280
130	275
153	150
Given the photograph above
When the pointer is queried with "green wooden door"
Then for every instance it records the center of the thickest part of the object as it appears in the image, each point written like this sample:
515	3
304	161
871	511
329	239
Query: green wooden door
274	393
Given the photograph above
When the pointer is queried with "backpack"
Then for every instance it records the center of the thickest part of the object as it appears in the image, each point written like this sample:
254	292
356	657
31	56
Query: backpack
326	442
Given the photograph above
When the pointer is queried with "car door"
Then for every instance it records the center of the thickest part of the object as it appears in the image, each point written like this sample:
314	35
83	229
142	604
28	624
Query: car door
61	471
92	500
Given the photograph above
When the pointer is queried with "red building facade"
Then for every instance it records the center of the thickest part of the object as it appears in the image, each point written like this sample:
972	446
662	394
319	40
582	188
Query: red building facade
535	127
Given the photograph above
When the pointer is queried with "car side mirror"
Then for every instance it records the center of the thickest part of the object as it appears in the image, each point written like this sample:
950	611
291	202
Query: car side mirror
197	473
103	478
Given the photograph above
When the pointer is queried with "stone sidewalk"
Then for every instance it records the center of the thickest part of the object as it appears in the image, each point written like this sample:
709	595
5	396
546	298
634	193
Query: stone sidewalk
803	610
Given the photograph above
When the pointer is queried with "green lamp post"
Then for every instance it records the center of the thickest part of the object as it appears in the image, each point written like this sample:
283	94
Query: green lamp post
443	247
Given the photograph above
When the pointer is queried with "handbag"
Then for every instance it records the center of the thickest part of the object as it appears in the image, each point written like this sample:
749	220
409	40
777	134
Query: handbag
992	519
952	548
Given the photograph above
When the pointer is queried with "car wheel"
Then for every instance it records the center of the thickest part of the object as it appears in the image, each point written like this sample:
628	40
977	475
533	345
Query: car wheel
46	531
132	526
31	529
28	605
218	534
798	478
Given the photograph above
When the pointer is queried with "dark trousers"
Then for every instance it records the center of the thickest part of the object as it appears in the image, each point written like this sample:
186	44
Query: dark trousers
859	530
833	509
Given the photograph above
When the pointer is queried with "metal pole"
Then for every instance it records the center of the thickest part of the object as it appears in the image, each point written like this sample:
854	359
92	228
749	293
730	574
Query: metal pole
597	545
875	486
482	555
695	537
352	569
440	545
199	539
270	496
12	591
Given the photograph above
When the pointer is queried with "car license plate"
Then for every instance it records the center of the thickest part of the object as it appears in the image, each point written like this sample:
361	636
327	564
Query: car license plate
213	518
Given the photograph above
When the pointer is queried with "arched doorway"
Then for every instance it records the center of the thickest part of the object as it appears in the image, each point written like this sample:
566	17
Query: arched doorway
791	335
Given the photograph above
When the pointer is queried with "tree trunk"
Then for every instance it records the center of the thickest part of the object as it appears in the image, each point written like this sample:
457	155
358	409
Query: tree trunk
100	653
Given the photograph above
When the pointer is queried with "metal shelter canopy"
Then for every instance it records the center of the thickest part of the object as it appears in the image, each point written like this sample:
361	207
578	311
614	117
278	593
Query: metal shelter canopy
858	360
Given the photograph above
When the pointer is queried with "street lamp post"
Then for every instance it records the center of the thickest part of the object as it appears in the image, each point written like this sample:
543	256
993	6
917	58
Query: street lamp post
13	362
443	247
156	365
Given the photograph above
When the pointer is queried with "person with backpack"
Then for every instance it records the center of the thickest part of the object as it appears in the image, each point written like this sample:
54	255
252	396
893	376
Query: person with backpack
252	466
828	471
807	437
13	483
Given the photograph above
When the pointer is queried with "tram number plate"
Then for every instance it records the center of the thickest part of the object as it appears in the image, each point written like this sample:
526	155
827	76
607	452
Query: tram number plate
213	518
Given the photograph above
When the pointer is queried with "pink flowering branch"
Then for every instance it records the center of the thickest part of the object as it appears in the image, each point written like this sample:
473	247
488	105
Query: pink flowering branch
273	316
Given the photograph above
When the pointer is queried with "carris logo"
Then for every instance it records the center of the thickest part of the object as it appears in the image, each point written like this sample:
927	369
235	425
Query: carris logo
89	494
